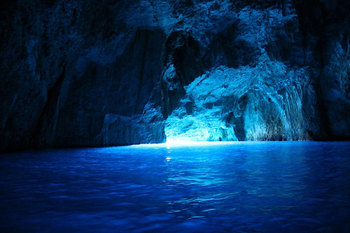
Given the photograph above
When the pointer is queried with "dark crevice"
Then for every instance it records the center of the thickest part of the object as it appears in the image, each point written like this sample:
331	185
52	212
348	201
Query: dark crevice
48	118
142	72
185	53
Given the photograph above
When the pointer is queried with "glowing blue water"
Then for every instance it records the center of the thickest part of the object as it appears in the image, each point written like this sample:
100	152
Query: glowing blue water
242	187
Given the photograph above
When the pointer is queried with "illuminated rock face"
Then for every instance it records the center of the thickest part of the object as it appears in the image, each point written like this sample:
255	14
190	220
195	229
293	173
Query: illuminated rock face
103	72
265	102
257	88
278	71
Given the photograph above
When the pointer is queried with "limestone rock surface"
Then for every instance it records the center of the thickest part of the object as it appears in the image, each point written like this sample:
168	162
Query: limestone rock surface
117	72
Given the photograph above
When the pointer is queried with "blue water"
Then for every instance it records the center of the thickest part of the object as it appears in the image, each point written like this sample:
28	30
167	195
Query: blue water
239	187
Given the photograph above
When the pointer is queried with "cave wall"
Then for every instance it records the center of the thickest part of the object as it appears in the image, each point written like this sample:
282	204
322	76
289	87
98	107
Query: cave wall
76	74
117	72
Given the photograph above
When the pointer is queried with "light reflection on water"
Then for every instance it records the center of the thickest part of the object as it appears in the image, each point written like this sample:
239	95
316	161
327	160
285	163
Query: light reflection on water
239	187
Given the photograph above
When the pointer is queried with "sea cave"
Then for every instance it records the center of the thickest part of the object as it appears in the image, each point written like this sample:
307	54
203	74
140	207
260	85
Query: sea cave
175	116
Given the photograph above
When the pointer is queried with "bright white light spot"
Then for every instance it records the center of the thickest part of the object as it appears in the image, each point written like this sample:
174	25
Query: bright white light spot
168	159
178	143
183	143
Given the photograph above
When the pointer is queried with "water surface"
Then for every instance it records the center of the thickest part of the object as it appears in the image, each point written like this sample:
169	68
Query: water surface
237	187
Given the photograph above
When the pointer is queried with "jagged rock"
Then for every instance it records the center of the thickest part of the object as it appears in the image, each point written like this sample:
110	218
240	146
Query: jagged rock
105	72
265	102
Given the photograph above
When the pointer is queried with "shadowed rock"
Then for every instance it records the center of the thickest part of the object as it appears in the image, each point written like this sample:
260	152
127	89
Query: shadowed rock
94	73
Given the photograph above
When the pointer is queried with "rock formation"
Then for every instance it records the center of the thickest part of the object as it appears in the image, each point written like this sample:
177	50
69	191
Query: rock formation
118	72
